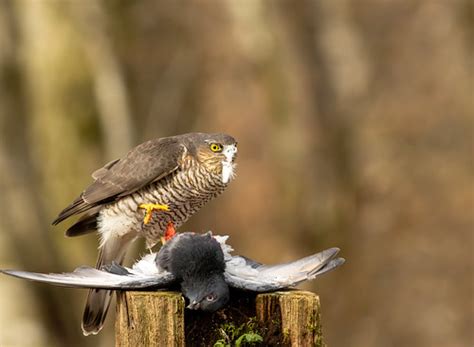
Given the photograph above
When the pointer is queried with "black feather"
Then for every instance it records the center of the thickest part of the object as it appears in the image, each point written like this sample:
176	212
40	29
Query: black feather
197	262
77	206
192	255
86	224
116	269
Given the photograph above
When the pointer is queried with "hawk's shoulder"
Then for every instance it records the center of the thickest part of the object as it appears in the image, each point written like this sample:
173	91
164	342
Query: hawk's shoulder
146	163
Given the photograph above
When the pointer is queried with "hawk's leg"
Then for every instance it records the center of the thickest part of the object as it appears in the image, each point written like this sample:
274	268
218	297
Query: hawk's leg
149	210
169	233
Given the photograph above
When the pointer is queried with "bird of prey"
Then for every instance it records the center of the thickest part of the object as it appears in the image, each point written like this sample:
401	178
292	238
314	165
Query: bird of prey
151	191
203	266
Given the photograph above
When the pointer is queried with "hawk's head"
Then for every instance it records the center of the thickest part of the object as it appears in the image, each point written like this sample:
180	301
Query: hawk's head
218	153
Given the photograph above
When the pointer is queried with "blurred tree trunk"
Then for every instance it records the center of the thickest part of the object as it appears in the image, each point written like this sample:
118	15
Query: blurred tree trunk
22	216
109	82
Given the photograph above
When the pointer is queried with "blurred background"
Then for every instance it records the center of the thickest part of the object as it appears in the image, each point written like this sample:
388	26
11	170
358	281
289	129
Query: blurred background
355	129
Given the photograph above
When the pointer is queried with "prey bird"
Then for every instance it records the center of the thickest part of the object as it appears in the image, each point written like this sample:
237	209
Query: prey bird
151	191
202	264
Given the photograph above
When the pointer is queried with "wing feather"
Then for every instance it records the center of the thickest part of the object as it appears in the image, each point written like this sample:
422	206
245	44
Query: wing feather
146	163
241	272
245	273
88	277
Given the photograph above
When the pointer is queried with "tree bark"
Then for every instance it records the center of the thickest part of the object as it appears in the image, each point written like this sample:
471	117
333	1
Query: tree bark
293	316
149	319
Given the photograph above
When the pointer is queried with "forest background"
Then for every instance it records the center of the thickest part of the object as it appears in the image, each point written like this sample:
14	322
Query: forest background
355	128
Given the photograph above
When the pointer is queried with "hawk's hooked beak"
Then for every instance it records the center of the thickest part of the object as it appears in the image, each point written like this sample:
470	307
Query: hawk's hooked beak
194	305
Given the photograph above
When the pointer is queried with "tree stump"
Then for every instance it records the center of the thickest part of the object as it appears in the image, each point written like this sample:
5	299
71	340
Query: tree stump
149	319
284	318
294	317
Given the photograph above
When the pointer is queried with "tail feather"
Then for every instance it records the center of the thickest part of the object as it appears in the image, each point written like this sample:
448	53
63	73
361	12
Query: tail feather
95	311
98	300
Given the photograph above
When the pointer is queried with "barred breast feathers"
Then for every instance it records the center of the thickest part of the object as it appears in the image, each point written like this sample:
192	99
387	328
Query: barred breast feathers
185	192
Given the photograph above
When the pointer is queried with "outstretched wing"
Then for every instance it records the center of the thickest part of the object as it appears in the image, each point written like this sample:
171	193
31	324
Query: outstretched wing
247	274
88	277
144	164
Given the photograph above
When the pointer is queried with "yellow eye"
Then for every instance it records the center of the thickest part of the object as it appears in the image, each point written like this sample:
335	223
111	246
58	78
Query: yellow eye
215	147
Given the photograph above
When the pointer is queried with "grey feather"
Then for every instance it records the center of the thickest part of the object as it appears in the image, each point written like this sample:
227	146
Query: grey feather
88	277
97	174
244	274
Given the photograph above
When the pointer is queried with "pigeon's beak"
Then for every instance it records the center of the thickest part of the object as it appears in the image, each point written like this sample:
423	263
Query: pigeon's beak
194	305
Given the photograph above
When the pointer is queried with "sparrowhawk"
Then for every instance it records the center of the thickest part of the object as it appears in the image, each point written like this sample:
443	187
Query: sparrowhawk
151	191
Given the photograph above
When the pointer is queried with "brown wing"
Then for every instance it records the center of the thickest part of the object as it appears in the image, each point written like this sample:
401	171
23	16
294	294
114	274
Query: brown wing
144	164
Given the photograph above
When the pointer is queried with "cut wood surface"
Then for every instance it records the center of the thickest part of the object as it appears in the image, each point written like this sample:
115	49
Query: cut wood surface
284	318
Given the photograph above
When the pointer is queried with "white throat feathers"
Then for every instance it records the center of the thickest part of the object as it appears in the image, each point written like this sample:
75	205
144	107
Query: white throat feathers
228	166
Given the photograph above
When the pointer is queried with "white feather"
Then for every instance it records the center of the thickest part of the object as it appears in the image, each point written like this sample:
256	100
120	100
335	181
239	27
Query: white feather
146	265
226	249
113	226
228	166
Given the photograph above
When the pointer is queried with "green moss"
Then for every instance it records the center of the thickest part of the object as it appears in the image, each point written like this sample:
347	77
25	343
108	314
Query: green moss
244	335
318	328
286	335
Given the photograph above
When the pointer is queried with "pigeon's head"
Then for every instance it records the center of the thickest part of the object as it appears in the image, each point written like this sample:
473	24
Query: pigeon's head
209	295
197	262
218	153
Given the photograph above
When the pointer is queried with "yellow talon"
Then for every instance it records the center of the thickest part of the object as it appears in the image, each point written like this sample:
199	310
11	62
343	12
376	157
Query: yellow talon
149	210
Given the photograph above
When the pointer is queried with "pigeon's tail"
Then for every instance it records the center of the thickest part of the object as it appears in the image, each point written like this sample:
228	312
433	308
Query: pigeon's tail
98	300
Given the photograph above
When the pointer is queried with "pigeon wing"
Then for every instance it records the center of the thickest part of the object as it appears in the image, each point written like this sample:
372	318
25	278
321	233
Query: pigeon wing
88	277
245	273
